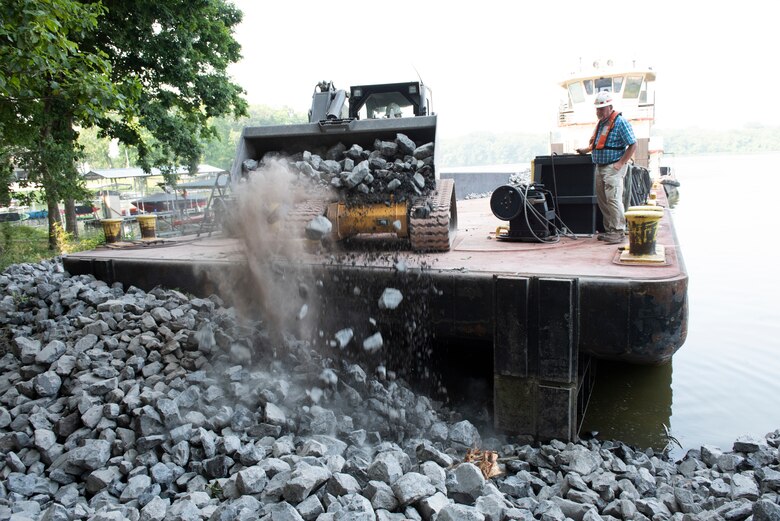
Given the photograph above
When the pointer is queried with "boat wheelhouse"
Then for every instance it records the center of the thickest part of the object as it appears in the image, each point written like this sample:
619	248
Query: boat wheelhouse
633	89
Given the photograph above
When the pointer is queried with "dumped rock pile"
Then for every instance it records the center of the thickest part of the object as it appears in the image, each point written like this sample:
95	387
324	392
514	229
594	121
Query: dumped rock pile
398	168
124	404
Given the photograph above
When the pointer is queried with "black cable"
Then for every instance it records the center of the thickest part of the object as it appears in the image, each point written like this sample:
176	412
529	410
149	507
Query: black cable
539	216
555	200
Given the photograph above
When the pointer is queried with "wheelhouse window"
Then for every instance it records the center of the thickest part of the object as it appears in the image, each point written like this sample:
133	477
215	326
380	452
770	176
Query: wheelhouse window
633	86
576	94
588	87
617	84
603	84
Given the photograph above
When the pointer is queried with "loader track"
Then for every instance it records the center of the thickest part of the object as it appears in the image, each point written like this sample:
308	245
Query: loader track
302	213
433	220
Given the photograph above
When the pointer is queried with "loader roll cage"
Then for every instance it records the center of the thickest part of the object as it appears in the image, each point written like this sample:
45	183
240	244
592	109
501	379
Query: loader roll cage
389	100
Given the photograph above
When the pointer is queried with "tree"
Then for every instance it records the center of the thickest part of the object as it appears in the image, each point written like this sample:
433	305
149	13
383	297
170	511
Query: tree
220	151
178	51
47	83
150	73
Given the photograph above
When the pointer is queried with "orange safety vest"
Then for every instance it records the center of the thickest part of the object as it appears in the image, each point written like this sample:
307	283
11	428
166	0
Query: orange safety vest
605	130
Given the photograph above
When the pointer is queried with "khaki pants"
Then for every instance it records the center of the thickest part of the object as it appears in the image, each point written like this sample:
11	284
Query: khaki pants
609	193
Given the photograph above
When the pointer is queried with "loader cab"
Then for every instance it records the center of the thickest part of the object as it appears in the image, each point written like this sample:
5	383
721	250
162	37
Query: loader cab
389	100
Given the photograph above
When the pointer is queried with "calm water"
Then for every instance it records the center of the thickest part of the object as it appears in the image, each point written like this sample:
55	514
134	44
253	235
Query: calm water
724	382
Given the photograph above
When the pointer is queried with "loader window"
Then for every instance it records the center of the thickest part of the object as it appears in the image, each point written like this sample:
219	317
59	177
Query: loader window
386	105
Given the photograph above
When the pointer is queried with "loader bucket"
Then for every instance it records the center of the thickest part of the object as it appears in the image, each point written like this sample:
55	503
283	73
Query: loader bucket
318	137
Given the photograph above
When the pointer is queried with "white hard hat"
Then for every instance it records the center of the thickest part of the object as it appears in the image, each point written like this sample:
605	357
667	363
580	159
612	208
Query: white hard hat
603	99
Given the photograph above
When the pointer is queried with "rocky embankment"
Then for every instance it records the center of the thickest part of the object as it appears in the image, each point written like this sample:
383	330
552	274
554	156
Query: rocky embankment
117	403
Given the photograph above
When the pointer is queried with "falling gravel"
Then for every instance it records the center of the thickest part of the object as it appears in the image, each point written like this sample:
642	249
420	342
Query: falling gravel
118	403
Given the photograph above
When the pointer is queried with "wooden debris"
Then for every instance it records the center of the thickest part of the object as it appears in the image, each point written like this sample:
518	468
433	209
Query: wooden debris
487	461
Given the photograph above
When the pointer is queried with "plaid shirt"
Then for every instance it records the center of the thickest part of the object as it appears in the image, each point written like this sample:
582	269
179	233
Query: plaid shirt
622	135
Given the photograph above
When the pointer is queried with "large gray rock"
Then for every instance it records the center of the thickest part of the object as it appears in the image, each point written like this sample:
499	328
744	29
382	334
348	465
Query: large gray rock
251	480
386	468
51	353
581	460
749	444
390	299
284	511
47	384
412	487
341	484
381	496
102	478
318	228
135	487
354	507
465	483
456	512
766	510
465	433
155	509
26	349
28	485
92	455
430	506
743	486
492	507
303	480
310	508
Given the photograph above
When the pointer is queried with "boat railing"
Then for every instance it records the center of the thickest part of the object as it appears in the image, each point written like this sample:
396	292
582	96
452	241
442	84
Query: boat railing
572	117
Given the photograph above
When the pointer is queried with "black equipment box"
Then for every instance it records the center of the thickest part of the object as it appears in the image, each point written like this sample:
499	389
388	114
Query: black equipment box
571	178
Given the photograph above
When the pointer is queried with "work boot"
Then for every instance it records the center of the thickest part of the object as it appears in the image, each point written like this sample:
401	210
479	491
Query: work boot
614	238
602	236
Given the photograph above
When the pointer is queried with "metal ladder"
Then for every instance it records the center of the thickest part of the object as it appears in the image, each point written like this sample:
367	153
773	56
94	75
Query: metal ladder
219	202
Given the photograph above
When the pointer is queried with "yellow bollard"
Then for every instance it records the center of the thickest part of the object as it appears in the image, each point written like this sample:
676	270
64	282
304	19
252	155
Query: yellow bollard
112	229
148	225
642	228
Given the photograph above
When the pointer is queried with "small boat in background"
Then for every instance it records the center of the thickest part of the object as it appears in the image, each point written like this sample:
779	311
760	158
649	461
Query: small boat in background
165	202
8	217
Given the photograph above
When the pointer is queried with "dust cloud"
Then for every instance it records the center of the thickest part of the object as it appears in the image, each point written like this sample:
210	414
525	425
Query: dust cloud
274	285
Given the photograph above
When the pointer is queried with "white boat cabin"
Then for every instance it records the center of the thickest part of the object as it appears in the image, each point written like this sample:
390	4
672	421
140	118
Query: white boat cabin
633	89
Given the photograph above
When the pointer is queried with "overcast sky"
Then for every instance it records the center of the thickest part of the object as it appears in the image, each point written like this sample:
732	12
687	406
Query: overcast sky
495	65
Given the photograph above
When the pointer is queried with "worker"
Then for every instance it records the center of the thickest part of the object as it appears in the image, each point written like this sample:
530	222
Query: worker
393	111
613	145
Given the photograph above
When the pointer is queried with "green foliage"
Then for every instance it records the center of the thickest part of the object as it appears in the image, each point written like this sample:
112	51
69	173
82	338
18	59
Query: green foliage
19	244
486	148
179	51
221	150
95	150
750	139
49	83
149	73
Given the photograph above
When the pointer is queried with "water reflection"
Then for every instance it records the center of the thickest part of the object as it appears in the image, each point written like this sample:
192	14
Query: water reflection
631	403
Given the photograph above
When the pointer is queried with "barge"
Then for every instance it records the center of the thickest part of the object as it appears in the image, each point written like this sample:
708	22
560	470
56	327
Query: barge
536	311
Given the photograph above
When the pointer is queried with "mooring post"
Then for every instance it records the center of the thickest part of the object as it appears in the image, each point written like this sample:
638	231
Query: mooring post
535	338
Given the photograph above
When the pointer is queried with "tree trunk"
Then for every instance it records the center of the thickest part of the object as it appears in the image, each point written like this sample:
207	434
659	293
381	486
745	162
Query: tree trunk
54	219
71	222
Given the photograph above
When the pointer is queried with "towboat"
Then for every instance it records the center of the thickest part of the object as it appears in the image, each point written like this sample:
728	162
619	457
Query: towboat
633	87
